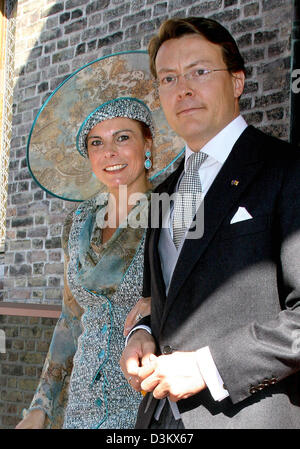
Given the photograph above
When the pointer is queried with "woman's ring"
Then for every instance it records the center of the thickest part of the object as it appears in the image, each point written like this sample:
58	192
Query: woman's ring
138	317
129	379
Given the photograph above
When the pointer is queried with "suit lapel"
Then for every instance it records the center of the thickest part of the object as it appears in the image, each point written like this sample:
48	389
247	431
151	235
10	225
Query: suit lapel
242	164
156	265
167	186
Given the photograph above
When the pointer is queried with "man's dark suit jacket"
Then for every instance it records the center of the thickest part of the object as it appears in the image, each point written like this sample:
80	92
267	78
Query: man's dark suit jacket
237	290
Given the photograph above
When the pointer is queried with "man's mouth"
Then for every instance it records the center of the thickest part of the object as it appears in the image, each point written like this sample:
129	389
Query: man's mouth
188	111
115	167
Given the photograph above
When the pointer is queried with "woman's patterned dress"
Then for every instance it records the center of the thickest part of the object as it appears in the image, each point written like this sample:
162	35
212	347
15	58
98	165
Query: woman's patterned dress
82	385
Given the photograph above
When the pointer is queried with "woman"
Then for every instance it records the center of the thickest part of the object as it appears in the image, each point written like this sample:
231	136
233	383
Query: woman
82	385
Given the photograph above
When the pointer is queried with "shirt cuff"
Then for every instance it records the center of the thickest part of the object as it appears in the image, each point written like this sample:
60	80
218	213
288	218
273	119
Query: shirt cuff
211	374
141	326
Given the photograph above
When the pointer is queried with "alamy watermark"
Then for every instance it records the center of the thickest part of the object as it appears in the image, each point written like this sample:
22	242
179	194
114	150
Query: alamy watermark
155	211
2	342
296	82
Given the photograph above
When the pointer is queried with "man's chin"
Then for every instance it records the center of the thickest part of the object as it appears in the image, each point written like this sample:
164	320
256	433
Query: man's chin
190	130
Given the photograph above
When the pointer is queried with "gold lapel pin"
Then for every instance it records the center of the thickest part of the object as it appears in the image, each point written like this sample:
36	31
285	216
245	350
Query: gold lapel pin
235	182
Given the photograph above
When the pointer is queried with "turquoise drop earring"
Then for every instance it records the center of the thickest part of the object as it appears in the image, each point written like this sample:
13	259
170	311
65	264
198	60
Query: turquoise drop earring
148	163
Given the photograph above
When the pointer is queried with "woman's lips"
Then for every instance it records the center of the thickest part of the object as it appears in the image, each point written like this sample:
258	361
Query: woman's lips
114	168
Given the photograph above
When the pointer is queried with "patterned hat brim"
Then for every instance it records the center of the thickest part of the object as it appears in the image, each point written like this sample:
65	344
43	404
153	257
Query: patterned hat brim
52	157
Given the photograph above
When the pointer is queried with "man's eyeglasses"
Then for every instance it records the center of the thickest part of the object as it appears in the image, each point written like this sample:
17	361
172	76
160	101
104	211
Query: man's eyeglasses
198	75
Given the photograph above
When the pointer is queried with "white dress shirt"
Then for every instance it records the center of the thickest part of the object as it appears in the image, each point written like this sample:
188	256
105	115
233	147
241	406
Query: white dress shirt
217	149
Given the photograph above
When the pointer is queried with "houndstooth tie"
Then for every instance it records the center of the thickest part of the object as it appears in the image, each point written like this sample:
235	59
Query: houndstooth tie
188	197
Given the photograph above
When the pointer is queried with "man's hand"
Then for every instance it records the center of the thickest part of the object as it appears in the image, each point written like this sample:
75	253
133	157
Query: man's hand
136	354
175	375
141	309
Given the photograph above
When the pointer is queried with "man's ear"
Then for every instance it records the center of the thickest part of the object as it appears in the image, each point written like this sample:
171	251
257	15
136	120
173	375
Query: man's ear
238	79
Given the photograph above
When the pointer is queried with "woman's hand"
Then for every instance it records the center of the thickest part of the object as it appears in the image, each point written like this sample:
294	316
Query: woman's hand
35	419
141	309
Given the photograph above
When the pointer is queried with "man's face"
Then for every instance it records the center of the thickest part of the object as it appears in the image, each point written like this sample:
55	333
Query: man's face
197	109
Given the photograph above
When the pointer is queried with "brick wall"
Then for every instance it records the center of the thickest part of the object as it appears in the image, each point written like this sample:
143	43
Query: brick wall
27	340
52	40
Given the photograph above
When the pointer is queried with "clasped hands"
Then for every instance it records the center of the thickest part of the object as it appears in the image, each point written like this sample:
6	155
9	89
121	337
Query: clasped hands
174	375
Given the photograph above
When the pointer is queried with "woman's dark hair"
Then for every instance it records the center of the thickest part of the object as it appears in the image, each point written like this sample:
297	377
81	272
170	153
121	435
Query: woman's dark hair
208	28
145	130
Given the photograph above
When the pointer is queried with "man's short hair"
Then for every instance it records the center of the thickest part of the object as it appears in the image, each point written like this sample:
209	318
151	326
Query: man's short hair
210	29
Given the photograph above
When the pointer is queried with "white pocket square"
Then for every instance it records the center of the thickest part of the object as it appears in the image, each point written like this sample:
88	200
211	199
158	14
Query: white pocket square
241	215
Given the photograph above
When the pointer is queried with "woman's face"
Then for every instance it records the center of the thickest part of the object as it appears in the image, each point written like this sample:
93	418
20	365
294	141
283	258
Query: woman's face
116	149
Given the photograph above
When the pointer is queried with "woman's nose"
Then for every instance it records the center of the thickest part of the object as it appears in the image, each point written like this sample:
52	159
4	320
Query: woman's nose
110	150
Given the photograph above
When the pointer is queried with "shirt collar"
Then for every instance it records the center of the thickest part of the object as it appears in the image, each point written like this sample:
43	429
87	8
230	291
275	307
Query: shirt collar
220	146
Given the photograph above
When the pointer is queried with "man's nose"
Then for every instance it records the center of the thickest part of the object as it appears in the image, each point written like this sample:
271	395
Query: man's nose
183	87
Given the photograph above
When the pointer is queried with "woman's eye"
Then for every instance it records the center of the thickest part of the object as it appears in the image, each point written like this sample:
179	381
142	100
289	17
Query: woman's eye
95	143
122	138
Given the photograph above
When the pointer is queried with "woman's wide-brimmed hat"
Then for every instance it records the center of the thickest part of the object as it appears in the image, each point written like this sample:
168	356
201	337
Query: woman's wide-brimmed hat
53	151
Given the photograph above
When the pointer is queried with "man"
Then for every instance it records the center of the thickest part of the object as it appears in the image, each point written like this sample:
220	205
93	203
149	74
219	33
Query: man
224	347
